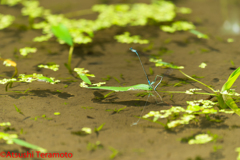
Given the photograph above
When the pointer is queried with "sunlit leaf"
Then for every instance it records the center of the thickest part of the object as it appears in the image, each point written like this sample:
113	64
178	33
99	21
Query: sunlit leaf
122	89
28	145
61	32
159	62
199	34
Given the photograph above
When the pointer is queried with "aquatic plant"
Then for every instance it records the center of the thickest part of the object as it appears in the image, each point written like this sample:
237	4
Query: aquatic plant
10	2
10	63
126	38
26	50
223	96
13	138
84	76
61	32
51	66
28	79
6	20
200	139
174	118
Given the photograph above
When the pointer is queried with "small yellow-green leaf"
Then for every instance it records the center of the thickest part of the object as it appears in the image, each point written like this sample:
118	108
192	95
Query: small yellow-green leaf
57	113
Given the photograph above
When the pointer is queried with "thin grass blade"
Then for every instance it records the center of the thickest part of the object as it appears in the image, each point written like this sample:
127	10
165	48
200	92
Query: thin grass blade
28	145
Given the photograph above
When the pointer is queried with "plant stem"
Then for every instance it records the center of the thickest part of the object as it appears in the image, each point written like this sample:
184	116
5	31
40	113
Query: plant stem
196	80
185	92
70	58
108	94
15	73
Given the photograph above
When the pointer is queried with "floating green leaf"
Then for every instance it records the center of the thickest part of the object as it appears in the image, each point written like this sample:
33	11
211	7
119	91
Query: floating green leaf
5	21
202	65
126	38
201	139
158	62
51	66
57	113
87	130
26	50
10	2
178	26
5	124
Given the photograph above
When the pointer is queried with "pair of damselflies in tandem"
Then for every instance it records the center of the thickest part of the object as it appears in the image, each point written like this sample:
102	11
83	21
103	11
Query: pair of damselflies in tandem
151	86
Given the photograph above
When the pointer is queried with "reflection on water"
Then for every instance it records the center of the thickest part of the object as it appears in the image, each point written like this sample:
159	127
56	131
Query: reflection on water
231	15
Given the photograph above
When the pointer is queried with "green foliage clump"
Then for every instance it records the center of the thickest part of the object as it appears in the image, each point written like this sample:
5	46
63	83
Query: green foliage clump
194	108
26	50
36	77
201	139
83	75
80	30
160	63
137	14
32	9
13	138
178	26
5	124
10	2
51	66
5	80
6	20
126	38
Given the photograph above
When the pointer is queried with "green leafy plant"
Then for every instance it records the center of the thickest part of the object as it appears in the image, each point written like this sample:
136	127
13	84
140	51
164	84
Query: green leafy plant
177	116
183	26
92	147
26	50
13	138
83	75
10	63
18	110
99	128
33	10
10	2
223	96
51	66
62	33
28	79
126	38
5	21
200	139
116	110
114	152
